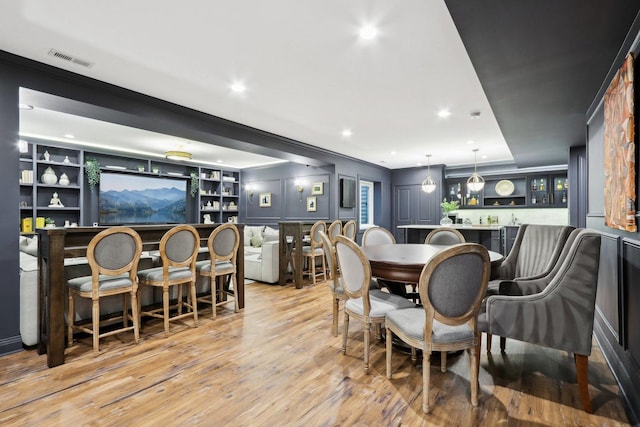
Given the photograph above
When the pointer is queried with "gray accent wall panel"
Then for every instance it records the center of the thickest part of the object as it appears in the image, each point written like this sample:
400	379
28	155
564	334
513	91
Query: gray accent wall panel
607	296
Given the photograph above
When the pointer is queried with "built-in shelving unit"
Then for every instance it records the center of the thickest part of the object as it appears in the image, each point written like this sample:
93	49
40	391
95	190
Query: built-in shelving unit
544	190
213	194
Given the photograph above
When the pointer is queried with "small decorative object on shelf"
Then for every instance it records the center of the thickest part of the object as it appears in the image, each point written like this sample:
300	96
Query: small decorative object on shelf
49	223
49	177
92	170
140	168
66	160
195	184
55	202
64	179
46	156
155	169
446	208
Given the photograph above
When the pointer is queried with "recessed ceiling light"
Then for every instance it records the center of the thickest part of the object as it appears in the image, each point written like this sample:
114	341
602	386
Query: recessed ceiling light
238	87
393	153
220	161
418	164
471	141
368	32
474	115
25	106
347	133
483	156
444	113
69	135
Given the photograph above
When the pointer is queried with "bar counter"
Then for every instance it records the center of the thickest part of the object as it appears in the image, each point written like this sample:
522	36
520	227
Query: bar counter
489	236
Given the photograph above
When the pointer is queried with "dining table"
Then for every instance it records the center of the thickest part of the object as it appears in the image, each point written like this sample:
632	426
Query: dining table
400	263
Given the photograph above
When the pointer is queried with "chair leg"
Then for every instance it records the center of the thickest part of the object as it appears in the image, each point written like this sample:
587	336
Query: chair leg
70	320
503	344
165	309
488	342
473	362
389	349
236	303
312	260
135	317
214	295
96	326
324	269
414	354
479	337
194	301
443	361
426	367
180	298
125	309
345	332
336	309
367	338
582	371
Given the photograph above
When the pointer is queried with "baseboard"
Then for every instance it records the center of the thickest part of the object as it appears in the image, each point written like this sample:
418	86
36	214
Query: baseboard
10	345
623	368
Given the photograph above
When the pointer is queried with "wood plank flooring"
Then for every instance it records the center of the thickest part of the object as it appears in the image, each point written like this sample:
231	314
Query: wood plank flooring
276	364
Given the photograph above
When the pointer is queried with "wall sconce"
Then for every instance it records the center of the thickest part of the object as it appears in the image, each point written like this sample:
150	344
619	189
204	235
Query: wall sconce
249	193
300	187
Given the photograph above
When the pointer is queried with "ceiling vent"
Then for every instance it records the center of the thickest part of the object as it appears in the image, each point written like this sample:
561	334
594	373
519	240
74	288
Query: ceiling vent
70	58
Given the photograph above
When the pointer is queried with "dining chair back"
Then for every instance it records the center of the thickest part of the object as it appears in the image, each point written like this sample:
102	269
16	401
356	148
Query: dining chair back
223	243
335	285
335	229
350	229
452	285
179	248
377	236
368	305
444	236
113	255
314	251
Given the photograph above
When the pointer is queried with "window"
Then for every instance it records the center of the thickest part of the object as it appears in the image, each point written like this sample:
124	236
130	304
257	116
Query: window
366	204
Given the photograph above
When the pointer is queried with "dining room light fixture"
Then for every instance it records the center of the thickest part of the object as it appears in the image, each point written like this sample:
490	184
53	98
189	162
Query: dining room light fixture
177	155
428	185
475	182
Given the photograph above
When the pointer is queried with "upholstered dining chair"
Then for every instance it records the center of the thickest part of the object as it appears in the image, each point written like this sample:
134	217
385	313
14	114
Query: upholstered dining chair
314	251
561	315
377	236
452	286
367	305
335	284
113	255
179	248
350	229
534	253
223	245
444	236
335	229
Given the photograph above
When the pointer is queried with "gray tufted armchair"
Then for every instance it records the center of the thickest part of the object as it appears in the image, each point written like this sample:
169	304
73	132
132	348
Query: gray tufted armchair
561	315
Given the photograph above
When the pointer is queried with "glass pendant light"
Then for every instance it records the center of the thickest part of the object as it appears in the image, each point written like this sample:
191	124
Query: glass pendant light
428	185
475	183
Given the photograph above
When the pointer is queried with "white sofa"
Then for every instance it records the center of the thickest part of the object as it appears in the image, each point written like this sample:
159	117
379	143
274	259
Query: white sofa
261	254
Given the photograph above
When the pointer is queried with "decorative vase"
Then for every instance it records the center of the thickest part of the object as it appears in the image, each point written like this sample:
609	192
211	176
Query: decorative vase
46	156
49	177
64	179
445	221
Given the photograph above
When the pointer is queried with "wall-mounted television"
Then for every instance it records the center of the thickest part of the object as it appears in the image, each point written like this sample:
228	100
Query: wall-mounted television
347	193
136	199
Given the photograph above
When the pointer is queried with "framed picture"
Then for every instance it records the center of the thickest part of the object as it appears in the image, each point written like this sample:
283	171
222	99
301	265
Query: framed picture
312	203
317	189
265	200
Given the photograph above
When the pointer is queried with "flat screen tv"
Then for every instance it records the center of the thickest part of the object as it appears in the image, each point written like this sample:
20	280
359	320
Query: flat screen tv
135	199
347	193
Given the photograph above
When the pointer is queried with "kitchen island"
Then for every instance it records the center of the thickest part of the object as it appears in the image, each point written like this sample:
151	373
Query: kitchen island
490	236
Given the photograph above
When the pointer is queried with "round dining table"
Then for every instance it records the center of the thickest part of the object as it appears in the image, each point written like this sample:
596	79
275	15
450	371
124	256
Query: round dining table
403	262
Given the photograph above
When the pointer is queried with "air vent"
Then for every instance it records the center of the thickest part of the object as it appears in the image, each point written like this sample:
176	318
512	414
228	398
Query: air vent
70	58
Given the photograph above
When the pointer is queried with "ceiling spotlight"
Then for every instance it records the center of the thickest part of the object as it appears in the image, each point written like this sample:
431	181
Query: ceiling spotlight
69	135
368	32
347	133
444	113
471	141
177	155
238	87
474	115
220	161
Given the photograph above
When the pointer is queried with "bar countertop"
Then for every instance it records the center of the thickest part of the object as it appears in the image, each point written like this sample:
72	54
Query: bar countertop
479	227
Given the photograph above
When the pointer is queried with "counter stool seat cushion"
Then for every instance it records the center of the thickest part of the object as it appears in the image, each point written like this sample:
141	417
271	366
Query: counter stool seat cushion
222	267
106	283
155	274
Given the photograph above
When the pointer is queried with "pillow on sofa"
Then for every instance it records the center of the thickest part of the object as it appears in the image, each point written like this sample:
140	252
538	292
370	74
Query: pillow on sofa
271	231
32	247
256	240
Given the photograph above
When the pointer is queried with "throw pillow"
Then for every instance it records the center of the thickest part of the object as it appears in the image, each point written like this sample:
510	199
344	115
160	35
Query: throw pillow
269	230
32	247
256	241
247	236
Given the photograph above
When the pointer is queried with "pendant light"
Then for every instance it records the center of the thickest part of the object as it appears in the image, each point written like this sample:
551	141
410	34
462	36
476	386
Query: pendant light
475	183
428	185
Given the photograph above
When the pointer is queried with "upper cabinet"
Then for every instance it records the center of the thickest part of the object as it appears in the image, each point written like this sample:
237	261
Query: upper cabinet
513	191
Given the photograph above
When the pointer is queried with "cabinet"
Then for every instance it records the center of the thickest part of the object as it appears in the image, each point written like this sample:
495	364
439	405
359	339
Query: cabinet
50	186
549	190
414	206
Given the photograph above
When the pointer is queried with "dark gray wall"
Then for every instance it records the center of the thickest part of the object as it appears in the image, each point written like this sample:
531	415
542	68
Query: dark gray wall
618	297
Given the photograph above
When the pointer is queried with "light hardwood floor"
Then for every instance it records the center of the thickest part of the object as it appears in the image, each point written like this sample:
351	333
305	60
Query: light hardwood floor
276	364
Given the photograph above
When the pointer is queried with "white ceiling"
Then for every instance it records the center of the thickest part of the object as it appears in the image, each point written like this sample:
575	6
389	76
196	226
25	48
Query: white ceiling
308	75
